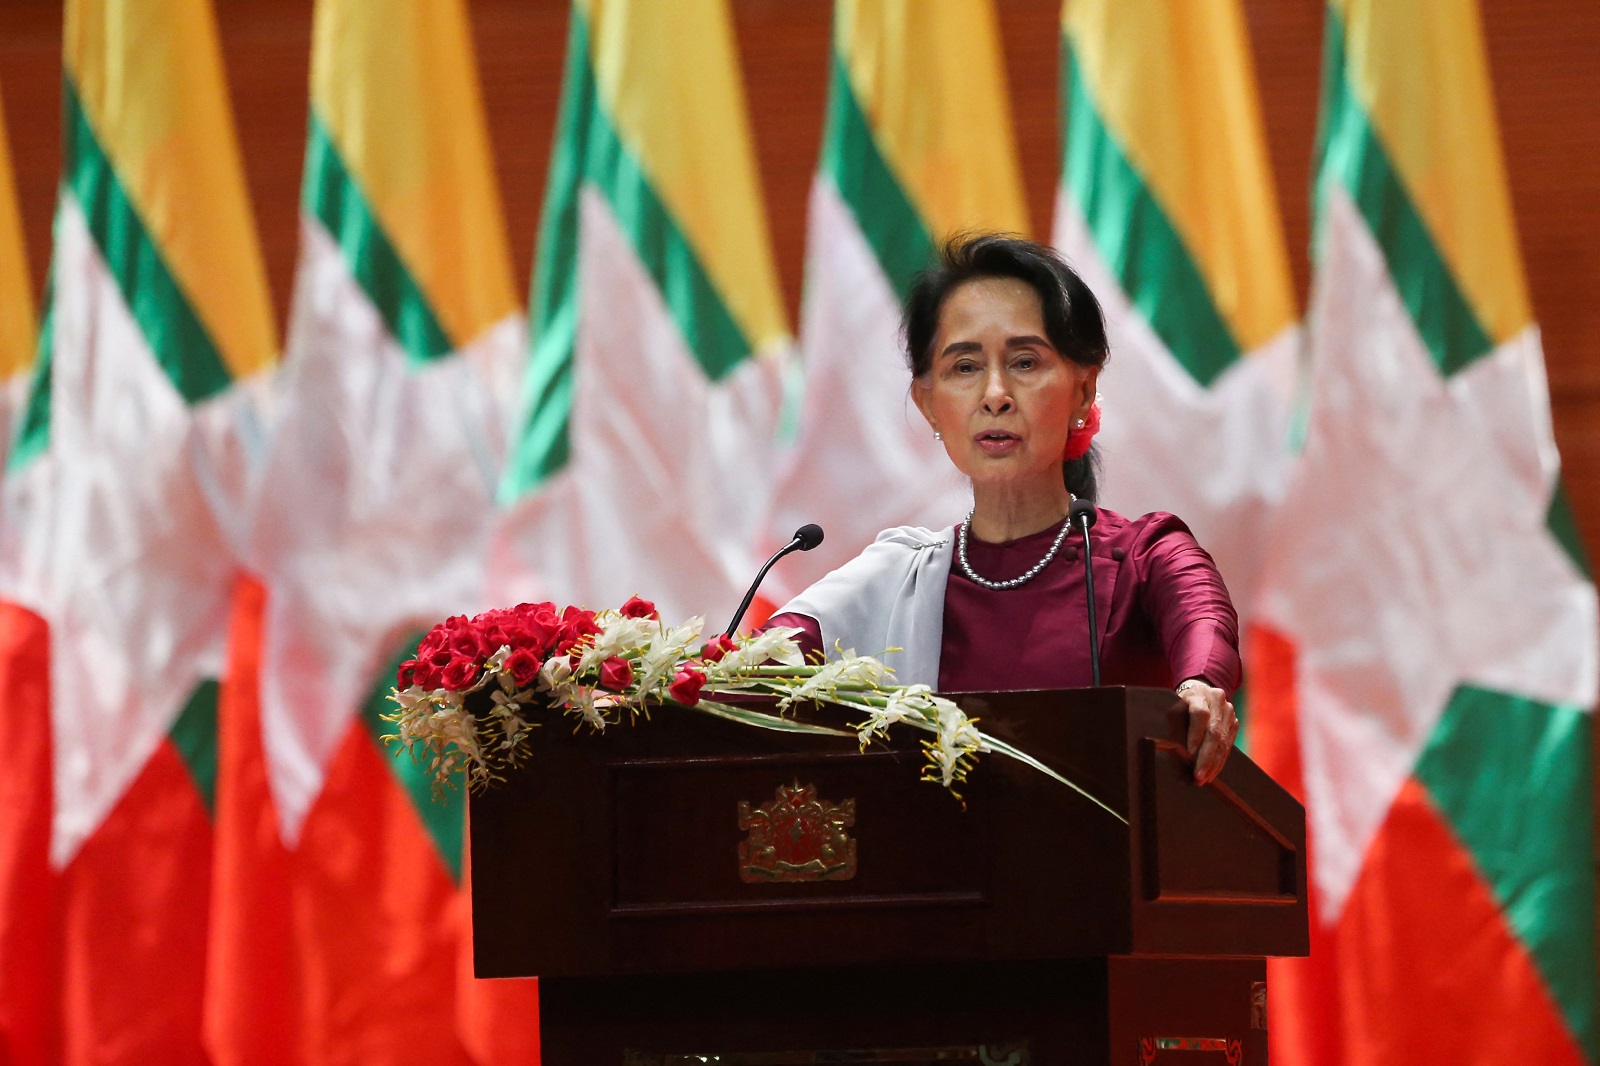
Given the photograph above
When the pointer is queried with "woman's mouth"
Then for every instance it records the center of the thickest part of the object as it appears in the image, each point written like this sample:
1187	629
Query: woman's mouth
997	441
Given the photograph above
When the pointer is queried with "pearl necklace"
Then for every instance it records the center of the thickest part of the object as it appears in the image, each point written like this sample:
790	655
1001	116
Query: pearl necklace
1033	572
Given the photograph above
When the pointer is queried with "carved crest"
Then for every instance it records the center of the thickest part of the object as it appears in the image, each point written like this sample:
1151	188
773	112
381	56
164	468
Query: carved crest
1151	1046
797	837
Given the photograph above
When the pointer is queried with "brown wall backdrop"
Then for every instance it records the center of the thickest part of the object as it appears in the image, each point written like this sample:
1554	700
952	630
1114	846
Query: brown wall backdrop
1542	54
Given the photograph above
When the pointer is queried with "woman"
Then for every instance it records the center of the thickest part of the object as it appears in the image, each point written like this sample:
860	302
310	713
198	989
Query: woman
1005	344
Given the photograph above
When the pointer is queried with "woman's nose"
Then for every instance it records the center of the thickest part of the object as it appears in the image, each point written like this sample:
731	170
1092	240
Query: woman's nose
996	394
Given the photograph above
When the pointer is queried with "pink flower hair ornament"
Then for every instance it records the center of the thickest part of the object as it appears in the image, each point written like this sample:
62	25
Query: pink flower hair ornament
1080	437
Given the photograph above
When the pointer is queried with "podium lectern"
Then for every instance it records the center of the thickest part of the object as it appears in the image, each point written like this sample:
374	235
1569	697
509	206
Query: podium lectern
691	890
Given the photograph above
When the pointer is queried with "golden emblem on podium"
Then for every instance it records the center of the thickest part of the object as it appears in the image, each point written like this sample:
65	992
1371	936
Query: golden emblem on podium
797	837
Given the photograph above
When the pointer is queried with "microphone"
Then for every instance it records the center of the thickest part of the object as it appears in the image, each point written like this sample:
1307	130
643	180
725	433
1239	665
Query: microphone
1082	515
805	538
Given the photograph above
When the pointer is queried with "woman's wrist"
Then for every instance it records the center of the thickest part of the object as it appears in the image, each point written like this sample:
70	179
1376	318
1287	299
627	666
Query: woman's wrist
1189	683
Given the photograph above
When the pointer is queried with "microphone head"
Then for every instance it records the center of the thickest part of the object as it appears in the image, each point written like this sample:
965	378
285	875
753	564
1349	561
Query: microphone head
809	536
1082	511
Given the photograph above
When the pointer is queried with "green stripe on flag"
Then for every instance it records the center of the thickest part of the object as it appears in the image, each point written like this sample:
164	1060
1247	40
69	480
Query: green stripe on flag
1564	527
194	734
443	817
331	195
1350	152
1241	706
1514	778
588	152
1137	241
33	430
177	338
891	223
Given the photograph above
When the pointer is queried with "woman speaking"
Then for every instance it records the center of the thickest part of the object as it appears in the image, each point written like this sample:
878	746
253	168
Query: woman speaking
1005	344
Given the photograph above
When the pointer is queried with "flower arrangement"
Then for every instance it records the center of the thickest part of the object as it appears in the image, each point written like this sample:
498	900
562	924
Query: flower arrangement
536	663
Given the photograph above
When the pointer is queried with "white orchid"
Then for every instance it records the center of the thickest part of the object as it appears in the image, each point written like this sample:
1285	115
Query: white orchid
957	740
588	705
775	645
619	635
666	649
824	683
913	702
555	677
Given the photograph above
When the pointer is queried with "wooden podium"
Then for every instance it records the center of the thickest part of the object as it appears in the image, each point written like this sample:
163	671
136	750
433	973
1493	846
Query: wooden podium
690	890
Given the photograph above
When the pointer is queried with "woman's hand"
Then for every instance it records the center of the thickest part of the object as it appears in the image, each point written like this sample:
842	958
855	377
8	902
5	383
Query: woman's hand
1212	727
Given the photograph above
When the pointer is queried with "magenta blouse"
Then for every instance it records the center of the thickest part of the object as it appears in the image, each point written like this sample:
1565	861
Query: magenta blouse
1162	610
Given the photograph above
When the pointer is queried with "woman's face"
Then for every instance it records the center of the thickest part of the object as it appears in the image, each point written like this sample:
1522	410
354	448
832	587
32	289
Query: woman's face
997	391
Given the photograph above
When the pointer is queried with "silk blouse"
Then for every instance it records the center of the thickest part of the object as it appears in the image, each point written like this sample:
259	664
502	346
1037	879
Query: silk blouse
1162	610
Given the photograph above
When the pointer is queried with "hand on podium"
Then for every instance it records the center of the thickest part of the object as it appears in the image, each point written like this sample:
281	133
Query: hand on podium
1212	727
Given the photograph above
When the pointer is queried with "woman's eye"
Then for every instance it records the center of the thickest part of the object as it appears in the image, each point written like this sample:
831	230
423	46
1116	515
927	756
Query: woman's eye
1027	362
965	367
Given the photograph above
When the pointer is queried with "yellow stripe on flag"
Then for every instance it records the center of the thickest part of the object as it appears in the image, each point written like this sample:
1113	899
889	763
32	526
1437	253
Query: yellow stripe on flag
149	76
930	78
395	84
1420	71
668	77
1175	86
16	291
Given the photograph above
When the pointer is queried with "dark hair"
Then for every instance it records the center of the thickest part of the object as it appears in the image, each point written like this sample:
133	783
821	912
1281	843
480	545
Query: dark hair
1073	322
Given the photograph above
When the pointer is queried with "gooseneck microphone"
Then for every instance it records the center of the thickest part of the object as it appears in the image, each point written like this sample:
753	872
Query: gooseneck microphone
1082	515
805	538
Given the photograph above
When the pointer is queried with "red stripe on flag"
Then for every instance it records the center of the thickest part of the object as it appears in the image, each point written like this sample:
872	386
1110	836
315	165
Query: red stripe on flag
1303	993
134	905
1430	971
252	1009
379	920
29	1024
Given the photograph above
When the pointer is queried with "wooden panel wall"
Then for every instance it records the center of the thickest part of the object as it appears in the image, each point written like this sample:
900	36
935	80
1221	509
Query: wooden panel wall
1541	51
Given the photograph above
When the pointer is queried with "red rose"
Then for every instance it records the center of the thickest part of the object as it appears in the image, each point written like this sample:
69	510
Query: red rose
494	637
516	636
686	686
716	648
523	666
577	624
438	637
467	643
459	674
638	608
425	675
541	632
406	676
616	674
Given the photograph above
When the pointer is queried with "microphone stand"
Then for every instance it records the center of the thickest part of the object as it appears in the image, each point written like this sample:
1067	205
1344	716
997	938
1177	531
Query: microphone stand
1083	516
805	538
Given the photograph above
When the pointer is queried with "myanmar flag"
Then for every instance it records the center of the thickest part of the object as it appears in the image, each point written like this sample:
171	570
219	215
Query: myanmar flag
374	509
643	443
16	301
917	146
25	879
1434	622
119	515
1167	209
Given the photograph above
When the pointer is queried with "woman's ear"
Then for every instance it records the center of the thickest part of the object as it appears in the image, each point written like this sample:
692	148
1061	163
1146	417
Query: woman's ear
1089	388
922	396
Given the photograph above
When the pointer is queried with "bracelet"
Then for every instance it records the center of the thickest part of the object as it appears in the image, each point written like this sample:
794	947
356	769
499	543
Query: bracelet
1186	684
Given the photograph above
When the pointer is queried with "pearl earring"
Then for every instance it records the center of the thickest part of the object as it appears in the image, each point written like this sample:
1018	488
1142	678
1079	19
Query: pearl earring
937	435
1079	423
